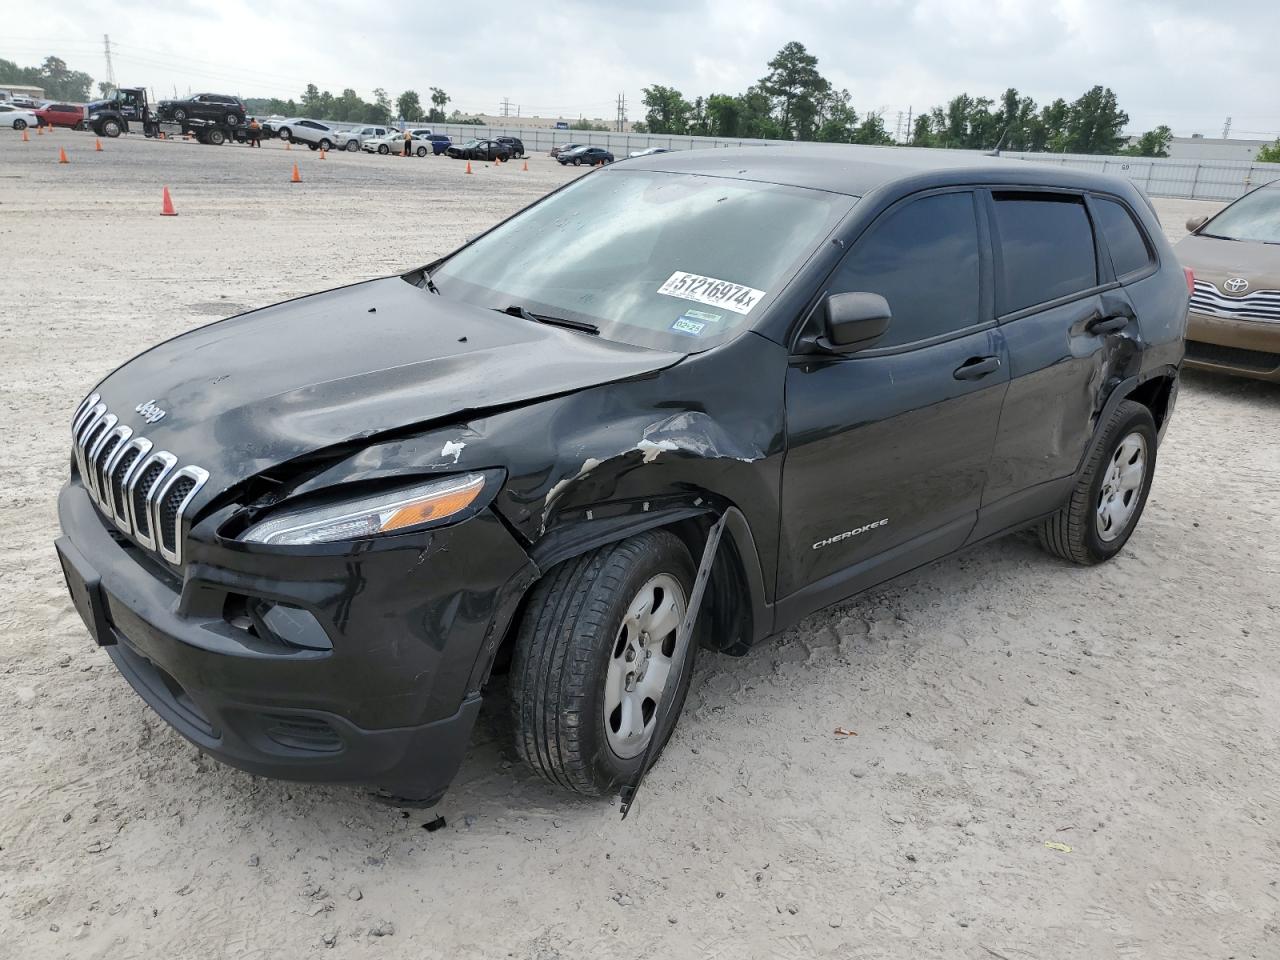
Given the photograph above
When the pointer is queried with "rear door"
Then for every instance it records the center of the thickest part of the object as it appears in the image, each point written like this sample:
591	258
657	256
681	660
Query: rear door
887	449
1069	329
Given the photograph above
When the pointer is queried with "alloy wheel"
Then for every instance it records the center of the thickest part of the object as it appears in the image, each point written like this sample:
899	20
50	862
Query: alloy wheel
1121	487
640	664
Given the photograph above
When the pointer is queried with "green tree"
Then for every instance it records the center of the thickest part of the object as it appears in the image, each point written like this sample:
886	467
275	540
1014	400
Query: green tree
1050	132
1095	123
52	76
439	100
838	121
409	105
724	115
757	119
1270	153
583	124
666	110
871	130
1153	143
380	110
105	89
794	82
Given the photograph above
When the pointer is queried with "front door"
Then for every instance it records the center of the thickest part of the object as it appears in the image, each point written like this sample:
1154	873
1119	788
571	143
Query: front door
888	449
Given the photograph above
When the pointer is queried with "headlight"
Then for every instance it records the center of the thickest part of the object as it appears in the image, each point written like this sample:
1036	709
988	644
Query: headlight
370	516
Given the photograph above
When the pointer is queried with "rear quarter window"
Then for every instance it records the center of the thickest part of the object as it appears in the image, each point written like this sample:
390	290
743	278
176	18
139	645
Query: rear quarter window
1046	248
1126	242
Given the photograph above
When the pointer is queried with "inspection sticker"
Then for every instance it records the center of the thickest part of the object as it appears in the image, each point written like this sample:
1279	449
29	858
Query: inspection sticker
691	327
713	292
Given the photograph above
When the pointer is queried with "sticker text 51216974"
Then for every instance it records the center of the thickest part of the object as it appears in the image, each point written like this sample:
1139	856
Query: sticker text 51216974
709	290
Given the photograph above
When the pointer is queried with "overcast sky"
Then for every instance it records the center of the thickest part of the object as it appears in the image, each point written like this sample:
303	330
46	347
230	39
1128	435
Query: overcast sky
1184	63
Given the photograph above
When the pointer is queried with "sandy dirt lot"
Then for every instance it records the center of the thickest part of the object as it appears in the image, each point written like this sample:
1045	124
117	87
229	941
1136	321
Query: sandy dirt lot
1002	699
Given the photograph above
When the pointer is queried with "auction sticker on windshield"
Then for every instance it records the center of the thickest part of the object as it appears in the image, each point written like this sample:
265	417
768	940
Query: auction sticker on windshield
713	292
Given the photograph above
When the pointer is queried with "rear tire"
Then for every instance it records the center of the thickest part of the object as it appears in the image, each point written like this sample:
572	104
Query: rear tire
326	145
285	133
180	115
422	151
19	124
593	660
1104	508
352	146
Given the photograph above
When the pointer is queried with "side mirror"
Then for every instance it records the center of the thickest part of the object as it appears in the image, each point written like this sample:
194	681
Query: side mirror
1195	223
854	321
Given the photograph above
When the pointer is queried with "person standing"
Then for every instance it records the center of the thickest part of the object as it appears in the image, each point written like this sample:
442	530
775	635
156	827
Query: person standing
255	132
408	142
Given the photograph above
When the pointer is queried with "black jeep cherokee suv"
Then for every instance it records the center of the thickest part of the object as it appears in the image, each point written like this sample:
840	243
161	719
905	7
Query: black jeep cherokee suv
218	107
306	534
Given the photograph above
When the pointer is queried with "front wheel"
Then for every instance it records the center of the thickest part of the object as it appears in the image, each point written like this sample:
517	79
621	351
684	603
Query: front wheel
422	151
1103	510
111	128
577	161
353	146
19	124
326	145
383	149
180	116
596	654
233	119
285	133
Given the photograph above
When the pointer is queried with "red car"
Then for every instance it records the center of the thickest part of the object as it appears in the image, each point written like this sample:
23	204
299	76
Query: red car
61	115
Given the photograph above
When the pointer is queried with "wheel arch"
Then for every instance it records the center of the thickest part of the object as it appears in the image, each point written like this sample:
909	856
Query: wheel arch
1155	389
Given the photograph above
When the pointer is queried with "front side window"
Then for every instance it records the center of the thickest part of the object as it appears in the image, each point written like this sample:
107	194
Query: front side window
1046	245
1125	241
673	261
923	259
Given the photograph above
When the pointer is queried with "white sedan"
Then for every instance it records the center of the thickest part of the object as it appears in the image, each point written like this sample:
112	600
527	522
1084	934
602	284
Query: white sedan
17	117
393	142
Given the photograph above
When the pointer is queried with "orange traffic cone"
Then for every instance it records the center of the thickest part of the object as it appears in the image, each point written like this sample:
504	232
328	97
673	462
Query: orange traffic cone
525	168
288	144
26	137
97	145
62	156
166	207
297	177
322	153
39	130
468	166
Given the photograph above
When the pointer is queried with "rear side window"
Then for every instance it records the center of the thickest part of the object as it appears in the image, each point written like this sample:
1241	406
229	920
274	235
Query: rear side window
1046	246
923	259
1125	240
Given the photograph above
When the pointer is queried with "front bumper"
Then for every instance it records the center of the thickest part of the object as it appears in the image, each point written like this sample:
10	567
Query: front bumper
412	621
1245	348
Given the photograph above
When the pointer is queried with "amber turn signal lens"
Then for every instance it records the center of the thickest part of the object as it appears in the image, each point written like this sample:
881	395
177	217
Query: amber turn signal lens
434	507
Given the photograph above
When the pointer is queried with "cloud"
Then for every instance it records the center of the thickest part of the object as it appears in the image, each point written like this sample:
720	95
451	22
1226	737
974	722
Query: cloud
1188	64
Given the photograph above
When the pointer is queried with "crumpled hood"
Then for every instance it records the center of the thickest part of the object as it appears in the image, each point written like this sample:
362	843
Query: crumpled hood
246	394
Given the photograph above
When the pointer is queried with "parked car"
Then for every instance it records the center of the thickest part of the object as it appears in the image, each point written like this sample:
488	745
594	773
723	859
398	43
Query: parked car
1235	308
479	150
313	133
218	107
589	155
515	143
311	570
19	118
565	148
649	152
353	140
393	142
62	115
439	143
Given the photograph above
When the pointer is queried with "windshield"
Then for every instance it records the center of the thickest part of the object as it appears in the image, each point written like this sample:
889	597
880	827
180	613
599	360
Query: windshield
676	262
1255	216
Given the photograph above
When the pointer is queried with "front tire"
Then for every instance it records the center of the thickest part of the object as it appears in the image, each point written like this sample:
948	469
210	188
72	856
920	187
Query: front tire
353	146
19	124
595	655
1104	508
383	149
326	145
180	116
285	133
421	151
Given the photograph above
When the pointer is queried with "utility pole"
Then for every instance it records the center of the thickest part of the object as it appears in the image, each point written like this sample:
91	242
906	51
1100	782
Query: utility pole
506	106
111	74
621	122
897	129
909	134
1226	128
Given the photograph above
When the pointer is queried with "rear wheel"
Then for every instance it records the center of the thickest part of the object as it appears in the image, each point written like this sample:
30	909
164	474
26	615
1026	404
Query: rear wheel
595	655
326	144
353	146
1107	502
422	151
233	119
577	161
215	136
180	115
285	133
19	124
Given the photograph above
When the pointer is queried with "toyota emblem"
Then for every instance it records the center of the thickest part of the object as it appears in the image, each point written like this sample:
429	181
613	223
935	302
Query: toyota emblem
1235	285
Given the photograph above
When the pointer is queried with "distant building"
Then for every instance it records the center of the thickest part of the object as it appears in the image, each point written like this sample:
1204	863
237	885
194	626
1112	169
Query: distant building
546	123
1214	148
10	90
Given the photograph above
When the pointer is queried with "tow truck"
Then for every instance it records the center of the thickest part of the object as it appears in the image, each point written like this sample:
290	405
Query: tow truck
127	106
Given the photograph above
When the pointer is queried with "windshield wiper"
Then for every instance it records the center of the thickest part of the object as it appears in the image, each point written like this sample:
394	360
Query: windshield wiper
426	282
516	310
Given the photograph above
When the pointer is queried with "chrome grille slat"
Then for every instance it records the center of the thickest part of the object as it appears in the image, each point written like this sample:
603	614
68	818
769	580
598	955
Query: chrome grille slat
142	490
1262	306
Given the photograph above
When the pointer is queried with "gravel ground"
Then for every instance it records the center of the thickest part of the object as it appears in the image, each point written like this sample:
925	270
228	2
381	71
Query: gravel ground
1002	699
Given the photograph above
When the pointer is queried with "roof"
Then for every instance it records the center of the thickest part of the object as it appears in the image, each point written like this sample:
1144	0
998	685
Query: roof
857	170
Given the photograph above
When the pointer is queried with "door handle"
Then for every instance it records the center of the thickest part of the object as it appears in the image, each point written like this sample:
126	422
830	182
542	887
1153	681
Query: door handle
976	368
1101	325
